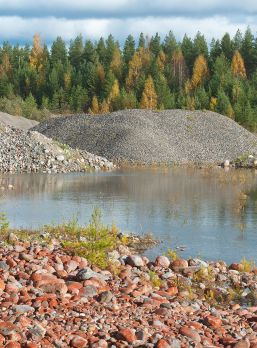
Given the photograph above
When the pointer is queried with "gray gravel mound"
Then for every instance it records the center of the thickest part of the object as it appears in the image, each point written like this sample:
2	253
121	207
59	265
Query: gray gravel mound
147	137
30	151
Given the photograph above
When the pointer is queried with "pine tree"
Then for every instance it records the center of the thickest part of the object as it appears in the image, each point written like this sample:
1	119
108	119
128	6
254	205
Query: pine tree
108	84
165	98
155	44
248	52
187	48
76	51
169	45
200	46
227	46
223	104
201	99
29	106
149	96
237	41
111	46
78	99
129	49
200	71
238	66
141	41
101	50
58	51
215	52
90	54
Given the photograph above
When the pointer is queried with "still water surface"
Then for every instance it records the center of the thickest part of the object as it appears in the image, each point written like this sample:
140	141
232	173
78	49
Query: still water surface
211	212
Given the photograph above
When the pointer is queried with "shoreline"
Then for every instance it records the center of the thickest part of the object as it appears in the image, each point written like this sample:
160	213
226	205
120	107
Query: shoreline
51	295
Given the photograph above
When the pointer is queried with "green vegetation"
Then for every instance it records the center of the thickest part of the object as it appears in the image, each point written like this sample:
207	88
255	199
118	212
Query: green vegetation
155	279
4	224
172	255
100	77
93	241
246	265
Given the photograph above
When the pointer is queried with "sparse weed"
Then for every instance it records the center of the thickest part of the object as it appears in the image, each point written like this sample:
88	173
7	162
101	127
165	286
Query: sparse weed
4	223
246	265
93	241
204	274
172	255
155	279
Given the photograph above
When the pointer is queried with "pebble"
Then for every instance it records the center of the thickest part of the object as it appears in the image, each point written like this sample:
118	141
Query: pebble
48	300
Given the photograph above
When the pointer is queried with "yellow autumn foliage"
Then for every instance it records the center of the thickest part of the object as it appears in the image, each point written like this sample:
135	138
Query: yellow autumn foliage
238	65
200	71
149	96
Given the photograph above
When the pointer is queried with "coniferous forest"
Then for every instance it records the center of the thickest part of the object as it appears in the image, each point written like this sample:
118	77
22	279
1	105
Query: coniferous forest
144	72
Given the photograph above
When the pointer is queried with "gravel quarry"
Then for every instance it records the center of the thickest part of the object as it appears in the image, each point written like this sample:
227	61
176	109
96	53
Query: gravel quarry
154	137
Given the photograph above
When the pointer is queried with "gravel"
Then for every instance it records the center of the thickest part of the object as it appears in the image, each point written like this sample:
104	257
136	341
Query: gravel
30	151
17	121
147	137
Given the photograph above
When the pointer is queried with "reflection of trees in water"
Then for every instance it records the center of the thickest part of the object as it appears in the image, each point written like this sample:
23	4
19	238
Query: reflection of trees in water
180	194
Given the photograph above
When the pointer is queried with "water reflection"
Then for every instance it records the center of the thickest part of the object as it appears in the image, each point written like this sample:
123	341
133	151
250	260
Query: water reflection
212	212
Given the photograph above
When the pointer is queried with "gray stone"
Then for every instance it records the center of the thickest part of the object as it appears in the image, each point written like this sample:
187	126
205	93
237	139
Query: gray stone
135	261
87	273
88	291
20	309
105	297
60	158
38	330
4	266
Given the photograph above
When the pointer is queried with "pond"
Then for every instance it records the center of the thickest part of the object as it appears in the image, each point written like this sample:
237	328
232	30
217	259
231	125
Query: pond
210	212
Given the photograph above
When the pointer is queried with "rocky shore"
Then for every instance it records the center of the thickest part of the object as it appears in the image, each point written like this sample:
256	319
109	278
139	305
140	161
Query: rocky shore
49	298
31	152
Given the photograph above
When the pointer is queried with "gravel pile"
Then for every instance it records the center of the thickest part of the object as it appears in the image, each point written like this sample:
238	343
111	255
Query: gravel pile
30	151
144	136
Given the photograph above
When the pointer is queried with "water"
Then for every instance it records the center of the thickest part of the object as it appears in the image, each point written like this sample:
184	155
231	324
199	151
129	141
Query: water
207	211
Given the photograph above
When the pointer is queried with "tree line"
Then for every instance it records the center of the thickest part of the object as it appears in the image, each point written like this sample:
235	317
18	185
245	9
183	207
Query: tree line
99	77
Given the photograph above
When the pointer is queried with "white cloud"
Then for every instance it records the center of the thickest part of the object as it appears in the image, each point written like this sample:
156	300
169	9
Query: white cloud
22	29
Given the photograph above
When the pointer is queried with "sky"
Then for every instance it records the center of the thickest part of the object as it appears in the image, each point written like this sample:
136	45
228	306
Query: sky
20	19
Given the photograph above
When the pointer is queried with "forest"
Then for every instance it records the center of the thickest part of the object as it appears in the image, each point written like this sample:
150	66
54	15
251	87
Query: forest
146	72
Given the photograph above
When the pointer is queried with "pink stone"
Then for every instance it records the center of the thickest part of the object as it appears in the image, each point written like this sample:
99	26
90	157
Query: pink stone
188	332
128	335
